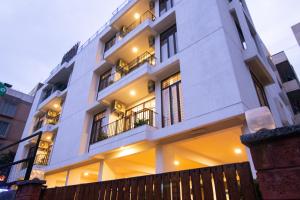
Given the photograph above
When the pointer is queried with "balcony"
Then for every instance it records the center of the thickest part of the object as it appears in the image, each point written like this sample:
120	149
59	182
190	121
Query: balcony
123	69
49	118
127	123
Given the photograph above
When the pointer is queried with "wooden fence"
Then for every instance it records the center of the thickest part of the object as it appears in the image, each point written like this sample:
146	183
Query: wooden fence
233	181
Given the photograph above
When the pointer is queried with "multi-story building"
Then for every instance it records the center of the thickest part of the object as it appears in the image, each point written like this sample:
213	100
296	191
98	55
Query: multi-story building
290	82
296	30
14	110
163	86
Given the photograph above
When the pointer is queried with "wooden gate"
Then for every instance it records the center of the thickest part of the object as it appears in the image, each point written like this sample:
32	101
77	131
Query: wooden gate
233	181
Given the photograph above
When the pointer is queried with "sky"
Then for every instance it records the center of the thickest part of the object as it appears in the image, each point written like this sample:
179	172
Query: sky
36	34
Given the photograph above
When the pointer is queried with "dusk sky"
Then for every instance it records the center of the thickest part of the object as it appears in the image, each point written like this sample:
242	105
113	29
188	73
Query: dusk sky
36	34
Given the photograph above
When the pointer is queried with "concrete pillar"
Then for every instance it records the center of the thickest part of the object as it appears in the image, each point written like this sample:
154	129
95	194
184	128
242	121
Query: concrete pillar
29	190
245	130
276	157
165	157
105	172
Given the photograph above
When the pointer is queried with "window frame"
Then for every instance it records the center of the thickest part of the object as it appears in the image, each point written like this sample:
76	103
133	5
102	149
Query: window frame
7	129
164	36
260	86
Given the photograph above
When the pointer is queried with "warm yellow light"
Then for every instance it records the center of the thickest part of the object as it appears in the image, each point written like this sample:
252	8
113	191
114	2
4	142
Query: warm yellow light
238	151
56	105
135	49
176	162
137	15
48	138
85	174
132	92
126	152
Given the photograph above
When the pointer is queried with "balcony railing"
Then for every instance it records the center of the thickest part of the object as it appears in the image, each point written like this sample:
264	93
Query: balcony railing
132	121
148	15
124	69
41	159
44	120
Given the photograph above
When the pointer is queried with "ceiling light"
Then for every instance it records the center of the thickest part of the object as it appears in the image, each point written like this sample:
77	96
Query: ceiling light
176	162
85	174
48	138
135	49
237	151
132	92
137	15
56	105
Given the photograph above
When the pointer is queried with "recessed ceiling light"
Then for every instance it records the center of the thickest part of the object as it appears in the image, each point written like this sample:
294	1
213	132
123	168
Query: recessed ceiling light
137	15
135	49
238	151
132	92
176	162
48	138
55	105
85	174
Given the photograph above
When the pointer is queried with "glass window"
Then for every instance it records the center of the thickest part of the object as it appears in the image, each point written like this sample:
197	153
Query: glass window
98	123
260	91
110	43
8	108
3	128
164	6
172	106
168	43
105	80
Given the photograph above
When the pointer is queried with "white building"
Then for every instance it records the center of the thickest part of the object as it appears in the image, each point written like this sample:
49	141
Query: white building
296	31
163	86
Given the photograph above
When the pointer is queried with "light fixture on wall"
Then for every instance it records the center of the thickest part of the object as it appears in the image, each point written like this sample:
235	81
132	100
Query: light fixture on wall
238	151
56	105
259	118
135	49
48	138
176	162
85	174
137	15
132	93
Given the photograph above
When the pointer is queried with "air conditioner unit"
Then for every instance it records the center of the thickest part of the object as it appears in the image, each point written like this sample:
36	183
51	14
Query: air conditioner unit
118	107
151	41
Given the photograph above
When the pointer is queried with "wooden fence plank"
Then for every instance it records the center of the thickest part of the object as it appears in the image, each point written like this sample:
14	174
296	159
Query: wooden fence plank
157	187
114	190
121	190
246	181
166	187
196	186
102	190
134	189
127	189
108	190
149	188
175	180
185	183
141	188
219	183
231	180
207	184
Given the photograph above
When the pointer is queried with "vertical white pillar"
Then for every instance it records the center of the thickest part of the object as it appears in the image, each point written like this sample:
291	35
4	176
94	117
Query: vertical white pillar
245	130
105	172
164	159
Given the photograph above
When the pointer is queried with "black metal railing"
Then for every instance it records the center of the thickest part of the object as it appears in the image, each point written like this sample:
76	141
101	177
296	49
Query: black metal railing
46	120
42	159
146	57
132	121
28	161
148	15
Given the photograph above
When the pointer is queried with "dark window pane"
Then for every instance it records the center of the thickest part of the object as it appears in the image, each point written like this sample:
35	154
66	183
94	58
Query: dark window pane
3	128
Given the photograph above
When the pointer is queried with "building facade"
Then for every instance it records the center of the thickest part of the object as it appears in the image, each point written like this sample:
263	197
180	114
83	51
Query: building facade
296	31
290	82
163	86
14	110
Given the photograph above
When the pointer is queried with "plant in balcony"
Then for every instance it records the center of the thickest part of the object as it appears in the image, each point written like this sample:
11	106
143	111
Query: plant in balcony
141	122
102	136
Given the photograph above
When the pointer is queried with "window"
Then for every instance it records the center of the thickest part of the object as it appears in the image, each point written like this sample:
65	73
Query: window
260	91
239	30
164	6
98	123
3	128
168	43
110	43
104	80
8	108
172	106
294	98
286	71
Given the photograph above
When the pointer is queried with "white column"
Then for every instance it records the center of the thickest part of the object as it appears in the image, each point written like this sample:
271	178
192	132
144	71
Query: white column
164	159
245	130
105	172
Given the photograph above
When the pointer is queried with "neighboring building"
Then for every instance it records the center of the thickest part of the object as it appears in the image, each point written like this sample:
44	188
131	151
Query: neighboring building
296	30
163	86
14	110
290	82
